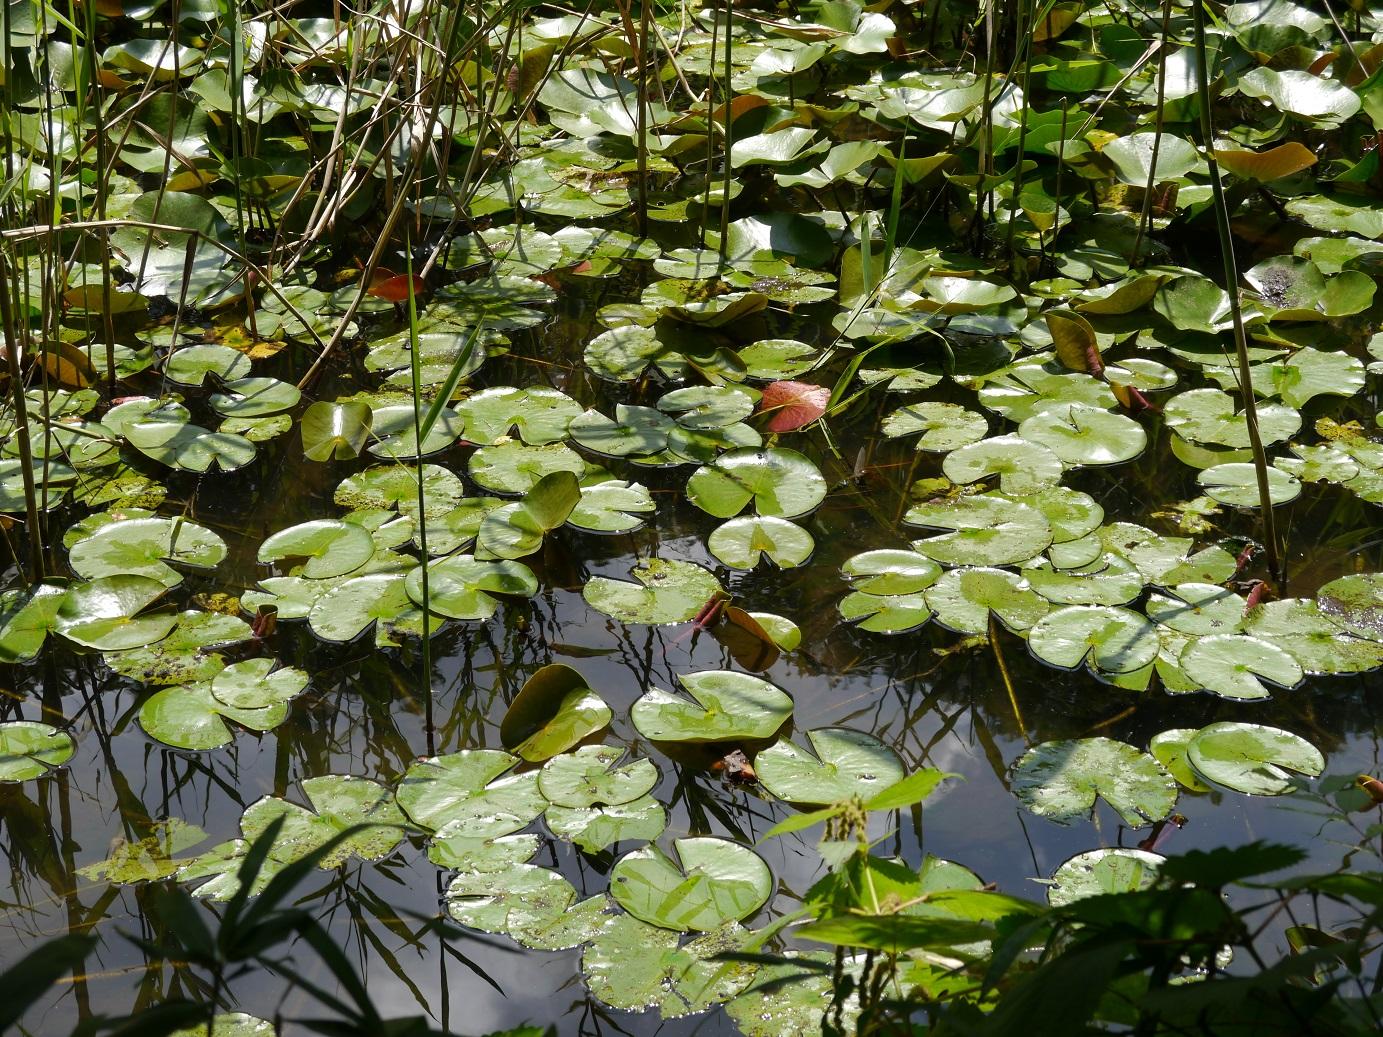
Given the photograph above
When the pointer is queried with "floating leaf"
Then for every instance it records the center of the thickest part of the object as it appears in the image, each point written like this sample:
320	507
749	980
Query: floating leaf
591	776
595	828
944	426
335	431
105	614
792	405
464	587
29	749
192	717
845	763
319	549
1094	873
553	711
986	529
1061	781
1110	640
1079	434
728	707
1169	749
1235	666
780	483
1023	467
517	468
145	547
1236	484
718	882
470	793
1252	759
741	543
965	598
634	966
666	592
611	506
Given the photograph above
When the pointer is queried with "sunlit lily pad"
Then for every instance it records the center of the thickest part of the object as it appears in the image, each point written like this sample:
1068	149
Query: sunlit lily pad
741	543
727	707
1083	435
29	749
965	598
319	549
1355	603
255	684
611	506
593	776
1061	781
1022	467
1111	640
718	881
254	398
943	426
842	763
635	966
1252	759
1236	484
516	467
985	530
597	827
666	592
464	587
779	482
106	614
145	547
633	431
1236	666
539	415
192	717
1169	749
553	711
1209	416
1115	869
471	792
26	618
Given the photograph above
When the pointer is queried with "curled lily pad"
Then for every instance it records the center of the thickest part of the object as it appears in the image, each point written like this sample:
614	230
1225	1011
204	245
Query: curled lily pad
727	707
1169	749
592	776
885	613
464	587
611	506
319	549
1110	640
986	529
29	749
779	482
1236	666
145	547
1061	781
553	711
842	763
106	614
741	543
666	592
1251	758
517	530
718	881
1114	869
471	792
336	431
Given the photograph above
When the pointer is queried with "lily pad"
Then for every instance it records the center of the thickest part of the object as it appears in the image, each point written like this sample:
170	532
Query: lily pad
943	426
553	711
986	529
145	547
1023	467
965	598
29	749
470	793
106	614
1061	781
464	587
595	828
727	707
515	468
592	776
1236	666
1251	758
842	763
666	592
319	549
1110	640
1169	749
1094	873
779	482
192	717
1083	435
741	543
611	506
718	881
635	966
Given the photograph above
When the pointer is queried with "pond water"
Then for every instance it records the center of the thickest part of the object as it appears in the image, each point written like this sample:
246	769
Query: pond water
937	702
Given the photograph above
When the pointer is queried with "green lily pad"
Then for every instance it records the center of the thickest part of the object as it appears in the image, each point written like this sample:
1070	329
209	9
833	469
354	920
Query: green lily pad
842	763
27	617
255	684
741	543
1169	749
147	859
666	592
497	902
728	707
192	717
1023	467
187	655
29	749
336	431
1094	873
1355	603
350	607
1208	416
1109	640
592	776
965	598
1235	666
539	415
634	431
707	406
230	1024
192	448
1236	484
464	587
780	483
1108	580
1144	159
944	426
553	711
145	547
1061	781
1251	758
986	529
470	794
319	549
517	530
1083	435
890	571
788	998
635	966
597	827
1198	609
611	506
515	468
1322	102
191	364
718	881
254	398
452	848
105	614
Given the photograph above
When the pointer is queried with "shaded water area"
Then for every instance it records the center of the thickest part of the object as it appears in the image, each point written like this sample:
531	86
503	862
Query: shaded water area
935	701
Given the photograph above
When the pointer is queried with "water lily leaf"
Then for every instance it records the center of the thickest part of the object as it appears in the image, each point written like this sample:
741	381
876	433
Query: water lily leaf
187	655
254	398
1114	869
496	902
707	406
29	749
789	998
319	549
1023	467
335	431
189	447
470	793
147	859
1236	666
1108	580
452	848
1322	102
727	707
793	405
1169	749
27	616
1194	303
1079	434
666	592
944	426
192	717
633	431
145	547
771	359
1020	391
1167	561
191	364
1198	609
1109	640
965	598
719	881
1061	781
741	543
339	802
578	924
776	148
256	684
885	613
1251	758
105	614
1133	157
841	763
553	711
591	776
634	966
51	491
779	482
230	1024
350	607
890	571
540	415
1355	603
1236	484
516	468
1264	166
594	828
463	587
1337	213
1311	637
1208	416
611	506
517	530
986	529
393	428
395	486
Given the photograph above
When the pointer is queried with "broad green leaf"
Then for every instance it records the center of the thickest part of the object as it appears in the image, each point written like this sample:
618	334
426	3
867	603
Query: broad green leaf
727	707
1061	781
714	881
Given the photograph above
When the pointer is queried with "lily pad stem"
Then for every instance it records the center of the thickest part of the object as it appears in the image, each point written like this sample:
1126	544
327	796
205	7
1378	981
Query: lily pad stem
1008	678
1231	279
